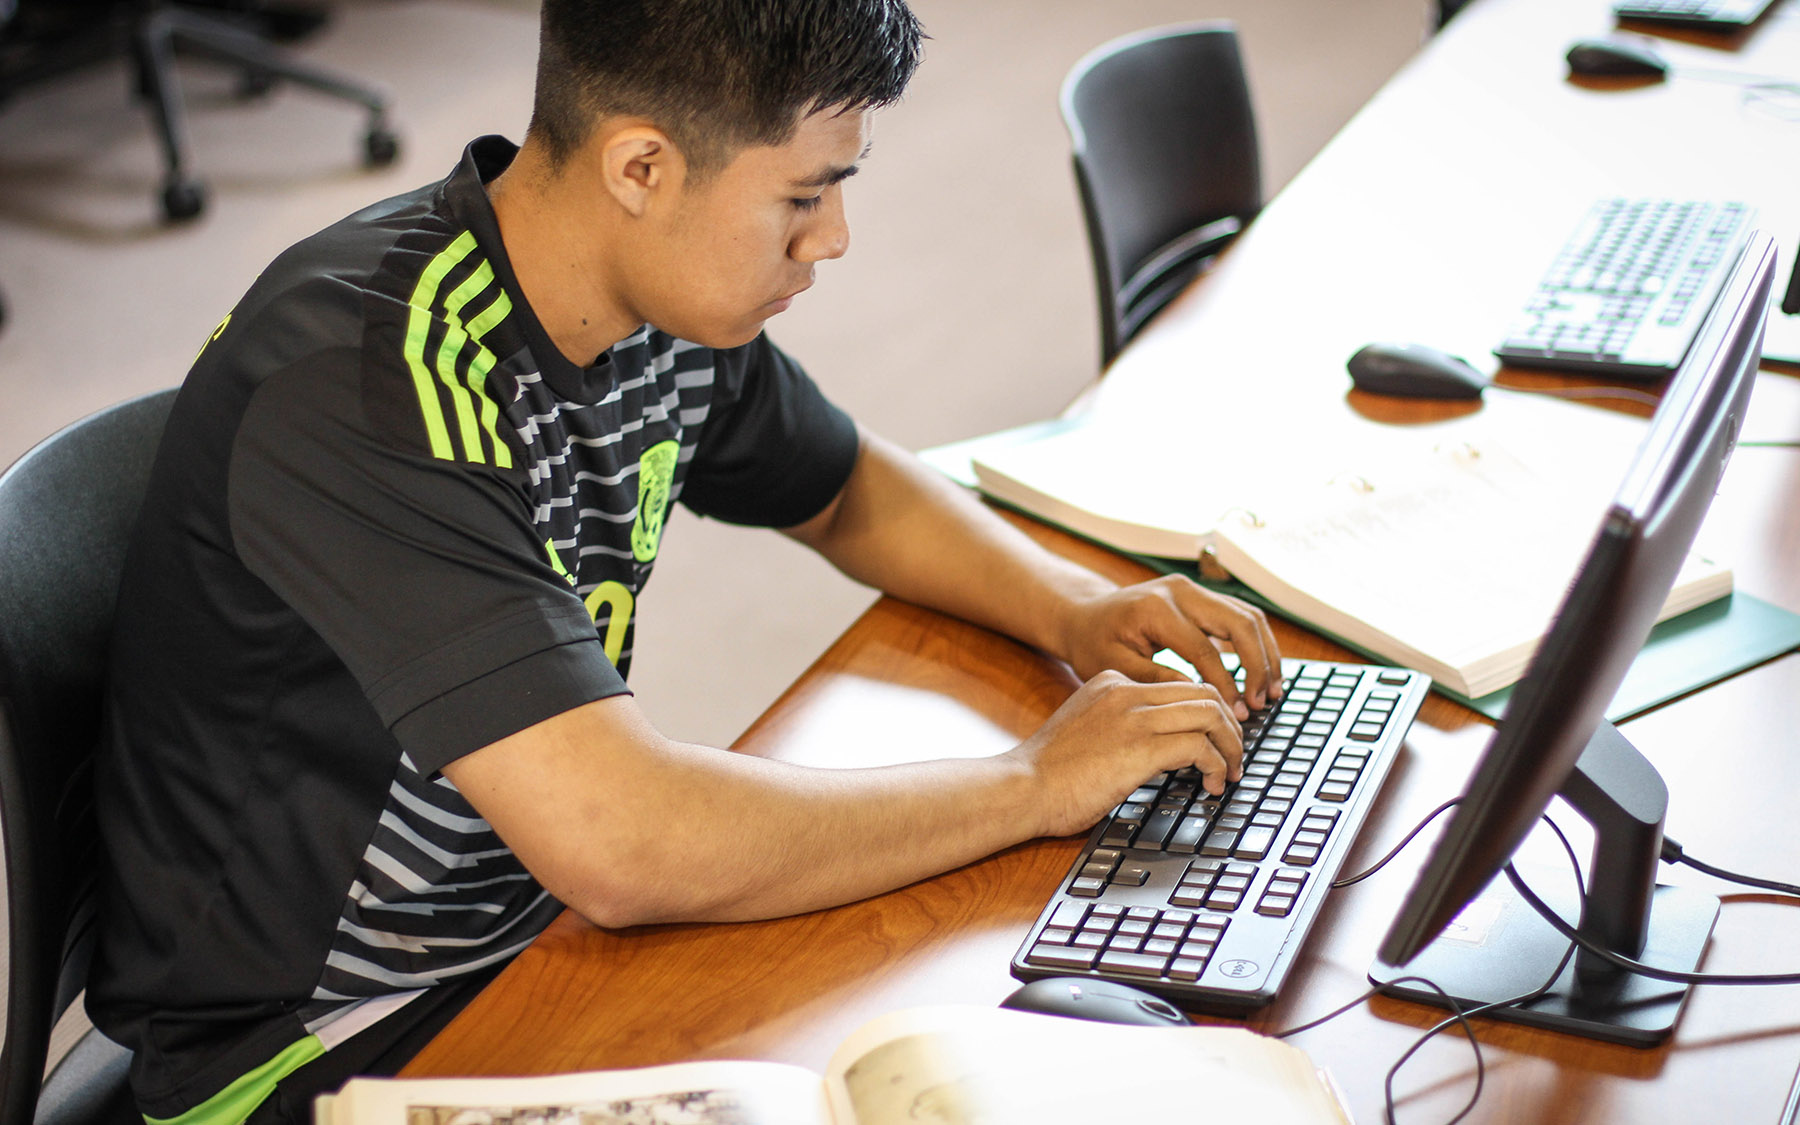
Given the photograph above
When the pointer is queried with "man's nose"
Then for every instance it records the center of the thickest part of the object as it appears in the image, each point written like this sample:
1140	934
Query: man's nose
827	236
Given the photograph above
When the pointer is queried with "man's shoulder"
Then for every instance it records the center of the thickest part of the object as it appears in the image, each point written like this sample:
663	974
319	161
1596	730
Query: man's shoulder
363	264
390	307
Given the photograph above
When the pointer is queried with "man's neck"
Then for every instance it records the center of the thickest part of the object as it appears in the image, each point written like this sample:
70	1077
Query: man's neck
552	236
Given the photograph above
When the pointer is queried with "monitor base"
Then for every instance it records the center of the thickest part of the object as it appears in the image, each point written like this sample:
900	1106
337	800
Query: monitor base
1498	948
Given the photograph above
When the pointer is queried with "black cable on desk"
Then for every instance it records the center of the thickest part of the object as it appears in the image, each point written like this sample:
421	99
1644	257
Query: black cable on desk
1522	998
1619	959
1352	880
1458	1016
1672	853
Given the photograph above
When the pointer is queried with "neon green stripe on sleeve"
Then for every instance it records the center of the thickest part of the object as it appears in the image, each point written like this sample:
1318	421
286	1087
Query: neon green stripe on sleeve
490	316
556	561
484	362
418	324
479	278
237	1101
448	351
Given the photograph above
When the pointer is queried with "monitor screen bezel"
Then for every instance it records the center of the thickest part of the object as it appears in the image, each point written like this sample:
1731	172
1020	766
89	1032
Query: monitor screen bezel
1611	605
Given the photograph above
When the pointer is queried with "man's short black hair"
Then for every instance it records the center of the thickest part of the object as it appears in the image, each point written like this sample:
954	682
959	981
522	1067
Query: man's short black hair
716	75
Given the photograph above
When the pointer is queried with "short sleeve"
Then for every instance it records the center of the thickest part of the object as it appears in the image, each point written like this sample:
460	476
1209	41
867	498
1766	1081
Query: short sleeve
774	451
422	575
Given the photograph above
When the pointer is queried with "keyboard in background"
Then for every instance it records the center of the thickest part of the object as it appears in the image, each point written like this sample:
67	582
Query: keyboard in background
1721	15
1629	290
1207	900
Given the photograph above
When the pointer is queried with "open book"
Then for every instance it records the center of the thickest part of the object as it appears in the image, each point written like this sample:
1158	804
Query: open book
950	1063
1446	548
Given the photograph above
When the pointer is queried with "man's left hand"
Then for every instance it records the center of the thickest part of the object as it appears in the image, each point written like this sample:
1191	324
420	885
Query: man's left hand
1125	628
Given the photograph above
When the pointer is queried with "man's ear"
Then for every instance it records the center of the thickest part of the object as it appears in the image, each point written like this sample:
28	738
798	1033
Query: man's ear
638	165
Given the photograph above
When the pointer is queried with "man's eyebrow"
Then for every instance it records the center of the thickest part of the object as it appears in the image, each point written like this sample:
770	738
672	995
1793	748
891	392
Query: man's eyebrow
832	175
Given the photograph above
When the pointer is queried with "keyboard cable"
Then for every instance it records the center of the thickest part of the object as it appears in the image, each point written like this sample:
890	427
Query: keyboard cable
1626	393
1351	880
1779	97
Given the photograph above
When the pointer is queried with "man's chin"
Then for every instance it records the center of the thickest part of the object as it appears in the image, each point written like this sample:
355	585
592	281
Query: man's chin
721	338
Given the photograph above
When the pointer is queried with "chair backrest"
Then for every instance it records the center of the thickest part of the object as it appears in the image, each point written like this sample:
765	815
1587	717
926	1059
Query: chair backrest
1164	144
66	512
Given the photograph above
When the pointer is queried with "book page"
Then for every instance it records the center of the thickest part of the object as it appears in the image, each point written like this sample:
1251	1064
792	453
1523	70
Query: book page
993	1066
1458	552
707	1093
1149	489
1453	554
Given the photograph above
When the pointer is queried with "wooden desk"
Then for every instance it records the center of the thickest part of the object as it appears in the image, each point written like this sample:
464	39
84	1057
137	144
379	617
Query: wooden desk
904	683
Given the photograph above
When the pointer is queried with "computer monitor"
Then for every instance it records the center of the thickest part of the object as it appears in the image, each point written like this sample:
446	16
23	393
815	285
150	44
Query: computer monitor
1553	739
1790	300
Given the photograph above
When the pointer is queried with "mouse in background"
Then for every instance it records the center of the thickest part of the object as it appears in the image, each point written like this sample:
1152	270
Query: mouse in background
1415	371
1614	58
1084	999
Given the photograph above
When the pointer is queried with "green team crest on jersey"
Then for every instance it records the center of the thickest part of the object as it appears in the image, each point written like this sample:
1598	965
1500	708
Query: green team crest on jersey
656	472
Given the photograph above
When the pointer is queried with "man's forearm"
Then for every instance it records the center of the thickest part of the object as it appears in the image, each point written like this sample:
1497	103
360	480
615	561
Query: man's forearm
904	529
630	828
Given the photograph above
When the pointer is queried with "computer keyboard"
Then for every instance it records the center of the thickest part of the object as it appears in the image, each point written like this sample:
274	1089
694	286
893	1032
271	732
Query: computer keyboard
1206	900
1723	15
1629	290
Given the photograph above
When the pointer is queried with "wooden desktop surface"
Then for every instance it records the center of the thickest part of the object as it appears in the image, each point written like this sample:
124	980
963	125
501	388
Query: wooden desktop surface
1346	254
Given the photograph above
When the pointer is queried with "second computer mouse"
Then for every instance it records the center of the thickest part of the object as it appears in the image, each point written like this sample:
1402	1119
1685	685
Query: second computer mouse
1104	1001
1614	58
1414	371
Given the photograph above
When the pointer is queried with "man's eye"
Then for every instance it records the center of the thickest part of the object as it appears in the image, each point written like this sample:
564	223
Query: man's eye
806	203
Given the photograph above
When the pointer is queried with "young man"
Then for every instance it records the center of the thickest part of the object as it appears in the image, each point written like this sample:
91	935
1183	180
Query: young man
370	729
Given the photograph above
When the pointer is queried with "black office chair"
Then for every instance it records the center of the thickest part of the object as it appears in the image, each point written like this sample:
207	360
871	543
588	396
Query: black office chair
1164	143
55	36
66	511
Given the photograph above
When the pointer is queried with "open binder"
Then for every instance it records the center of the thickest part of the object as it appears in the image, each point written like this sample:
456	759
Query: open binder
1443	548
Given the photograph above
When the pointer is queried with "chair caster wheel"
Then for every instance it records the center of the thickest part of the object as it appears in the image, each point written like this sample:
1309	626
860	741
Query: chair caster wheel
183	199
380	148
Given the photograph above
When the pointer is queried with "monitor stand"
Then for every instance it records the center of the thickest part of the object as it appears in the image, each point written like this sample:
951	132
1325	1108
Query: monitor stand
1499	947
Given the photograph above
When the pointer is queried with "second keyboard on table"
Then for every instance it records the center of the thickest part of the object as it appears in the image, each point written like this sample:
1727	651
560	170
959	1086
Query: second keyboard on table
1630	288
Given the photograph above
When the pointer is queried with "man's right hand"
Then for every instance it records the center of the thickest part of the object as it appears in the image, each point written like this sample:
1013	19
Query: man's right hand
1114	733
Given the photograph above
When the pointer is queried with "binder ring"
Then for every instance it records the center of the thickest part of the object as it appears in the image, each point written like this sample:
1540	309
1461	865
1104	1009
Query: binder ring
1244	514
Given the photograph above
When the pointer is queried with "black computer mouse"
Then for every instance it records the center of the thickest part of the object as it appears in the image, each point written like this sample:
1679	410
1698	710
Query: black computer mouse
1084	999
1615	58
1414	371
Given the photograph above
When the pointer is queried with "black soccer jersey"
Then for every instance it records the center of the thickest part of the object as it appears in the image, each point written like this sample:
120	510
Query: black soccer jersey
389	524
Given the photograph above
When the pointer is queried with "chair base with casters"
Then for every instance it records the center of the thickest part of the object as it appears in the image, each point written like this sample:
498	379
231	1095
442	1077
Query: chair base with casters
152	33
66	512
158	31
